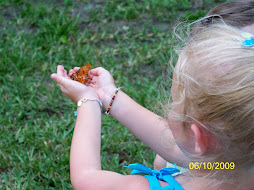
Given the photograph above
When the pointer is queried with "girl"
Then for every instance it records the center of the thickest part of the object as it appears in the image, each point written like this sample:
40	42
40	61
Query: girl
239	14
211	119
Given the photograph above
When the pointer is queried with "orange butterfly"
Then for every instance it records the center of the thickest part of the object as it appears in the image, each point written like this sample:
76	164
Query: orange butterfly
82	74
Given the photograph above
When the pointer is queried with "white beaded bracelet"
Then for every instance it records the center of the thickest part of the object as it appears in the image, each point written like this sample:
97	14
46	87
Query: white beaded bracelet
83	100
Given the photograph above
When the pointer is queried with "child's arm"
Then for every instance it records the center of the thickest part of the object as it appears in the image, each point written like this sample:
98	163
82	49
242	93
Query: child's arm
144	124
85	164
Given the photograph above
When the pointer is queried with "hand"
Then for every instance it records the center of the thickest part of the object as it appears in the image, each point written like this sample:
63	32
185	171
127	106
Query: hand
70	88
101	82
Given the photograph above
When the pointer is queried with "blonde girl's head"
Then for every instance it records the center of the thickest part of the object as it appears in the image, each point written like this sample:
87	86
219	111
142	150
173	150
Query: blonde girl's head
215	89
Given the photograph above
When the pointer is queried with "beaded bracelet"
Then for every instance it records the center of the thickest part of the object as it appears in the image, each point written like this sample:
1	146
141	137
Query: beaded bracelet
111	102
83	100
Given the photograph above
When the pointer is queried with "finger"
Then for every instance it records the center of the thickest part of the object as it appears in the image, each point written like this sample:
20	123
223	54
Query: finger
65	73
74	70
89	81
54	76
91	85
97	71
60	70
90	75
94	80
62	81
71	72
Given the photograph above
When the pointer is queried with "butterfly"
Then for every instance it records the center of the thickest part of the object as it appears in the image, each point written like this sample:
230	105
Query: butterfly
82	74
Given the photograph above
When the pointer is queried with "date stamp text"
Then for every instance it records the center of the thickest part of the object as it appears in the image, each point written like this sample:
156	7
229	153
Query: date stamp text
212	165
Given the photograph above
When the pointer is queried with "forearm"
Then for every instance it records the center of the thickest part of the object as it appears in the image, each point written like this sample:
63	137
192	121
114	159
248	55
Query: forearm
86	141
144	124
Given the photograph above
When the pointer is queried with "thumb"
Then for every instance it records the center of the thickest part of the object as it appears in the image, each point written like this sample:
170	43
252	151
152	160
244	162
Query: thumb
97	71
59	79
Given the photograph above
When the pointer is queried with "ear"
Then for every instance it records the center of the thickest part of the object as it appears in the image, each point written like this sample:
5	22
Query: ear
201	139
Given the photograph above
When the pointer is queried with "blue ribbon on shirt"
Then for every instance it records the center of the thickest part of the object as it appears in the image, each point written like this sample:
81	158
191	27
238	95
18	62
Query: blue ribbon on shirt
139	168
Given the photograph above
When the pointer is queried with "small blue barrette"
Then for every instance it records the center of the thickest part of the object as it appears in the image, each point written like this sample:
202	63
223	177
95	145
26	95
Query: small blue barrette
249	42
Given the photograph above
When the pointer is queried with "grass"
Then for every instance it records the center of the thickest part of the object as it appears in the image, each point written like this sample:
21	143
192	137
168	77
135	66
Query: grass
132	39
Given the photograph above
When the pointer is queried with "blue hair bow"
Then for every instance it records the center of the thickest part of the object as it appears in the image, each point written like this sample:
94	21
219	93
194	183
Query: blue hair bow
249	42
139	168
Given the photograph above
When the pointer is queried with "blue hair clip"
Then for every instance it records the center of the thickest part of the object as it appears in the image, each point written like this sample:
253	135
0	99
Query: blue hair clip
249	42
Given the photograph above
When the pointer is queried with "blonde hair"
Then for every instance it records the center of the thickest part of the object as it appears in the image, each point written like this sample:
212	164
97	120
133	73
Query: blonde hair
215	76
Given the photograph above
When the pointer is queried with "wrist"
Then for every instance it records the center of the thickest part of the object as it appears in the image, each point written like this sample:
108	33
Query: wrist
87	96
105	95
84	101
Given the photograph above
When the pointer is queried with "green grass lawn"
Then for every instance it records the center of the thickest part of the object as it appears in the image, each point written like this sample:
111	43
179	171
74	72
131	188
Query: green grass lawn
134	40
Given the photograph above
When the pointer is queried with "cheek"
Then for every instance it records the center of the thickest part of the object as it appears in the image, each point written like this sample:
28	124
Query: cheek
183	138
175	126
188	142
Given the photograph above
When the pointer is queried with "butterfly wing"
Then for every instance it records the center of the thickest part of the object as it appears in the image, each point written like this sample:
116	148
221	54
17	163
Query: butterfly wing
82	74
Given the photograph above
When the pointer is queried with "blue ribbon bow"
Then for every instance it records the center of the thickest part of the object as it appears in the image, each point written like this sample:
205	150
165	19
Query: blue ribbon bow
139	168
164	174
